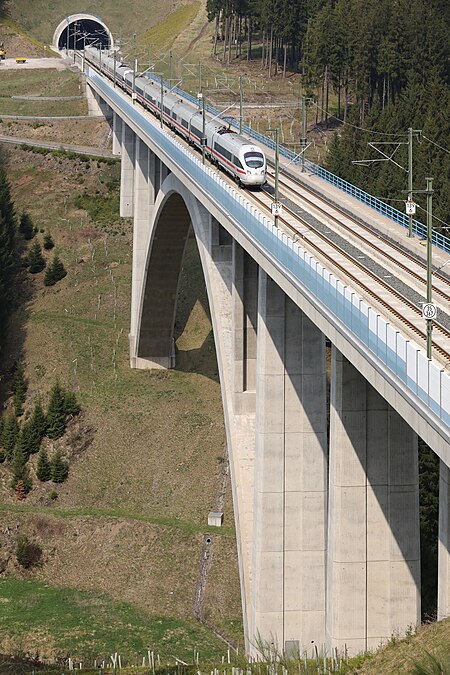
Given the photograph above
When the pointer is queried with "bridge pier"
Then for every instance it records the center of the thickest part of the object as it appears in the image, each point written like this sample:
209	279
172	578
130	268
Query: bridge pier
245	317
373	569
288	567
116	134
127	171
443	607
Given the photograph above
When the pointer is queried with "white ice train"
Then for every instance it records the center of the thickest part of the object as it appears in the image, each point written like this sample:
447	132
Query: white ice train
234	153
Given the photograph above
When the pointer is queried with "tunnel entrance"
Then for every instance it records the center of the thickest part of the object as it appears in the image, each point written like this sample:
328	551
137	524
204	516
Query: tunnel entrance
80	30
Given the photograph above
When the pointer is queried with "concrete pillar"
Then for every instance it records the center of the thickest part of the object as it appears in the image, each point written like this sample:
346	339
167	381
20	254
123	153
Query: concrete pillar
94	109
152	186
373	570
127	171
288	567
117	135
245	314
143	201
443	608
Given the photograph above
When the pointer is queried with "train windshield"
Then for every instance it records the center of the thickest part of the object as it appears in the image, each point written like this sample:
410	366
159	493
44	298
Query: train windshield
254	159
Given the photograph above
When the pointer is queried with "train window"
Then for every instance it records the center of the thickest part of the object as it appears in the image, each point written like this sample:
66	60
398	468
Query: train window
196	132
254	159
184	123
237	163
167	110
221	150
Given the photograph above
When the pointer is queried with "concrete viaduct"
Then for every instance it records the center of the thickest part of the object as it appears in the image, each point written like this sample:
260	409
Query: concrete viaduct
325	492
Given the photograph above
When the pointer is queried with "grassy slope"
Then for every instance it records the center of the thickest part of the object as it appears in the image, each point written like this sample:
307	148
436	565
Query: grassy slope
402	656
138	496
41	18
41	83
81	624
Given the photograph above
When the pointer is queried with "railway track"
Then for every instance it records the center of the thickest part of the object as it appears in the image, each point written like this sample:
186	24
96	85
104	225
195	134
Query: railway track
406	312
410	264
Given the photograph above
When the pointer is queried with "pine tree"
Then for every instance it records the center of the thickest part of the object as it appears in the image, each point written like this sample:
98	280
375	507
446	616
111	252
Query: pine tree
48	241
20	470
38	426
55	271
59	468
56	415
71	405
35	260
10	434
19	390
43	470
8	248
26	226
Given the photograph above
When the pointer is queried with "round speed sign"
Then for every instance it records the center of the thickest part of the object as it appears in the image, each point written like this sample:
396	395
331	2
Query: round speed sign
429	310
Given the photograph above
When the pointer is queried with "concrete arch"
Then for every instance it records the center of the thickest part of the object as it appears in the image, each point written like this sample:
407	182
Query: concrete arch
173	214
65	34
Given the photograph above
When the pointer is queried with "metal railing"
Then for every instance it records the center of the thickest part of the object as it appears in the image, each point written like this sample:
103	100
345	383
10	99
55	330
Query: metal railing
439	240
402	359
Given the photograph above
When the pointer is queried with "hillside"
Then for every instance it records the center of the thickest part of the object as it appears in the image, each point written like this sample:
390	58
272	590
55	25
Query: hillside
147	454
41	18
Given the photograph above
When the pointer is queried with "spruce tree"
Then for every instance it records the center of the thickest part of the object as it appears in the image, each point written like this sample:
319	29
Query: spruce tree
48	241
56	415
35	260
2	452
20	470
38	426
19	390
71	405
55	271
24	439
59	468
43	470
26	226
10	434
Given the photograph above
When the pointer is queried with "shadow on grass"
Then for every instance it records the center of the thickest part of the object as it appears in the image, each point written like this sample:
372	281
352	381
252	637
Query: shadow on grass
192	290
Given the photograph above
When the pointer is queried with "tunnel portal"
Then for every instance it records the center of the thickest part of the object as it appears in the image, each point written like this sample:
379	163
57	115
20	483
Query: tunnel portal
79	30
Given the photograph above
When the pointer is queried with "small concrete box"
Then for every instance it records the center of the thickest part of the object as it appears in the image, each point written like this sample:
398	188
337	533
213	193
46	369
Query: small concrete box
215	518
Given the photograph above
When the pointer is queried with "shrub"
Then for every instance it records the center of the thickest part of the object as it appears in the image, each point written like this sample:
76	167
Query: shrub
20	470
36	262
55	272
26	227
59	468
28	554
71	405
48	241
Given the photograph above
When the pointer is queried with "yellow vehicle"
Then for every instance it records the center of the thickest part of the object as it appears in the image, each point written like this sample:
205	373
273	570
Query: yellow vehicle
2	52
21	59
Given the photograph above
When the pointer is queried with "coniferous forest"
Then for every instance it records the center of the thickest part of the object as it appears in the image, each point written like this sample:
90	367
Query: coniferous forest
373	68
8	248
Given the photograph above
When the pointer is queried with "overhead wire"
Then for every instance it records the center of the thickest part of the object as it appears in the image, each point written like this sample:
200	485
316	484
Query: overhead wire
436	144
